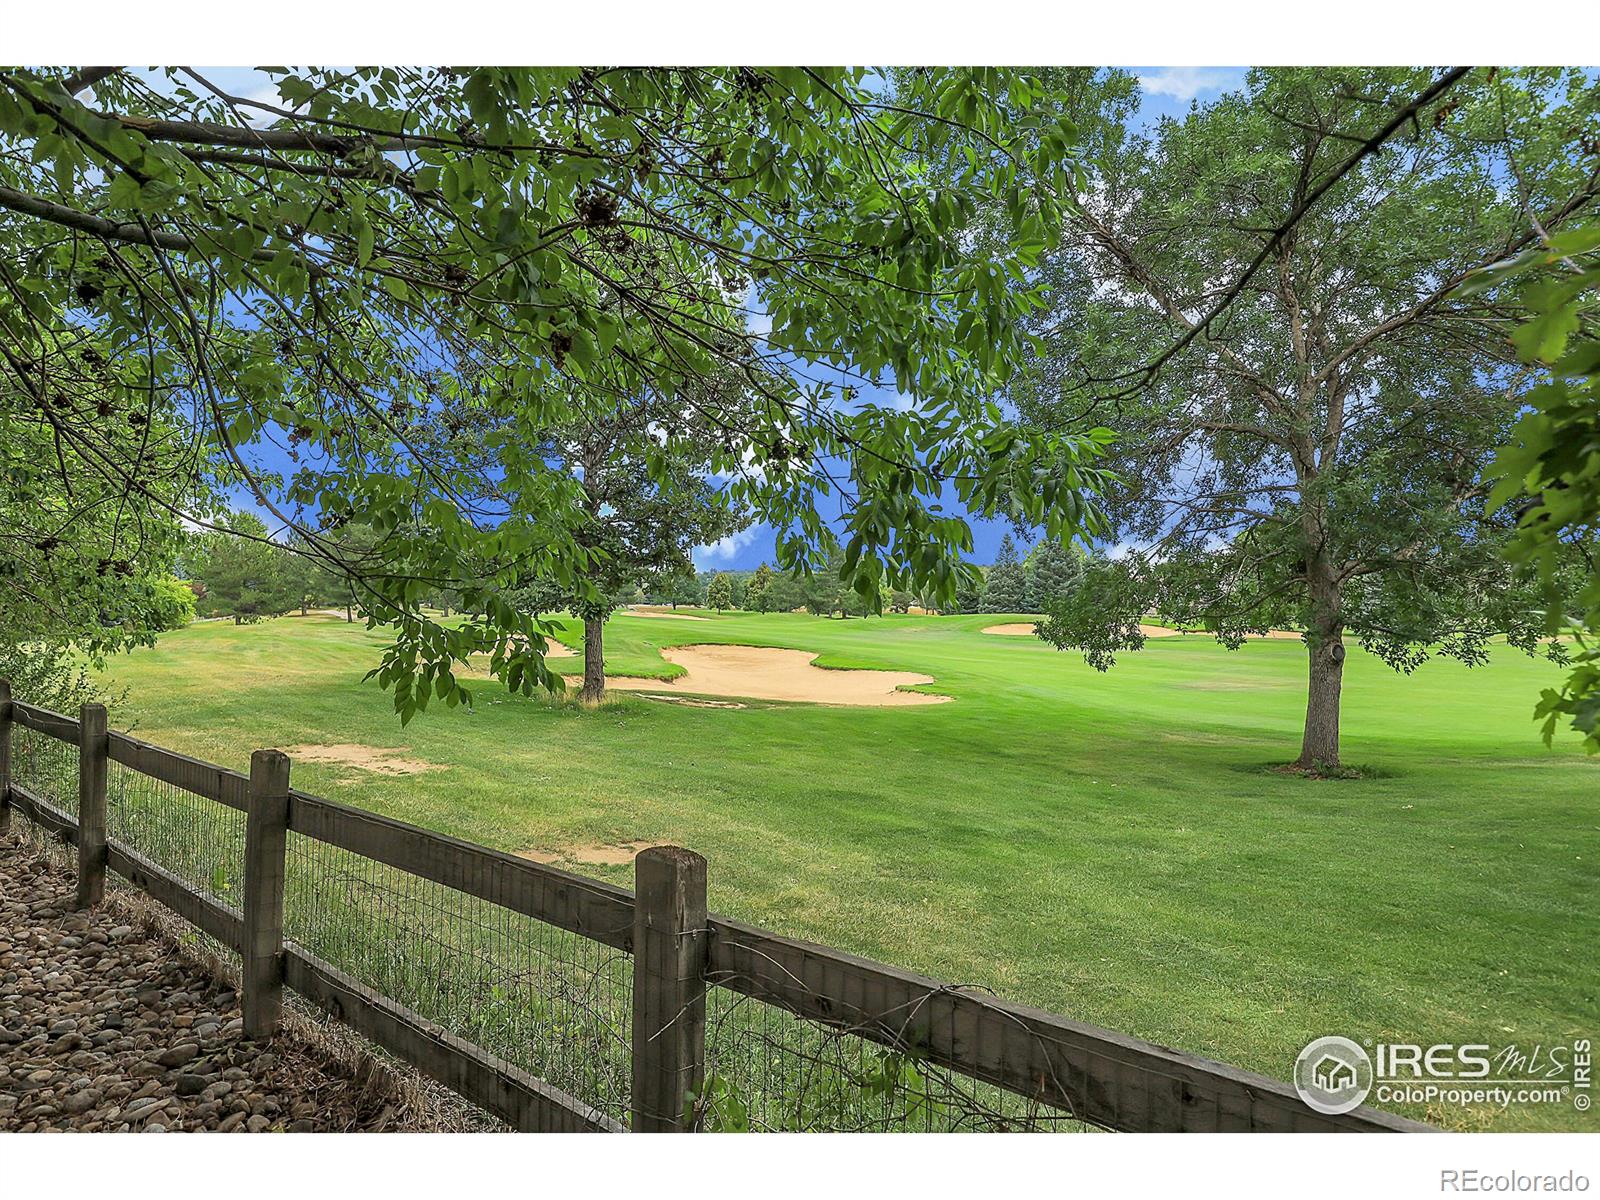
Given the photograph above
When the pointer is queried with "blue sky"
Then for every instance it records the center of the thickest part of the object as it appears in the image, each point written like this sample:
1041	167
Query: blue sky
1167	91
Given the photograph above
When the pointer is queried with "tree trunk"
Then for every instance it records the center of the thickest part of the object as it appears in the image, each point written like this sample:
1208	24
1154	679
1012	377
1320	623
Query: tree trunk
1319	748
305	609
349	616
594	662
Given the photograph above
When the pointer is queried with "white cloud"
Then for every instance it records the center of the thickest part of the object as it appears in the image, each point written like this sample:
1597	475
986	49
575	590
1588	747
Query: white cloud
724	549
1185	83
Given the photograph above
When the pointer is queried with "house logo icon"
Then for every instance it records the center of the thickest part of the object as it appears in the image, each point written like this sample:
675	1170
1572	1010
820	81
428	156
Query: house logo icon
1333	1075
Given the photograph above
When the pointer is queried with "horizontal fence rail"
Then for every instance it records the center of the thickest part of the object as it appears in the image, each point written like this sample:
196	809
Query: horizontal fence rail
1047	1063
588	907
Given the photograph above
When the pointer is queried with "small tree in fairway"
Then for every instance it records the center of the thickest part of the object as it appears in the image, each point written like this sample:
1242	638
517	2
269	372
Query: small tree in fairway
641	465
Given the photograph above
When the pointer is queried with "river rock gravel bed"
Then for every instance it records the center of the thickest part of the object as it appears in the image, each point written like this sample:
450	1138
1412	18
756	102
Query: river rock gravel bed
105	1026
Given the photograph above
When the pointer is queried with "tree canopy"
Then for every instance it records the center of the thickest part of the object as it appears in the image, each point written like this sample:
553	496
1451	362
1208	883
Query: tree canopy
326	275
1550	471
242	571
1314	456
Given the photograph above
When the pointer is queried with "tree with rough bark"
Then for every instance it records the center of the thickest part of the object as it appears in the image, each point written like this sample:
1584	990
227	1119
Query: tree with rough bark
642	465
369	268
1314	455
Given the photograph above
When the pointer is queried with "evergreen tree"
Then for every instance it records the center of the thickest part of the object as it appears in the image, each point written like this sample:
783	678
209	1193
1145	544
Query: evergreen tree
1007	590
821	589
243	571
1054	573
719	593
784	594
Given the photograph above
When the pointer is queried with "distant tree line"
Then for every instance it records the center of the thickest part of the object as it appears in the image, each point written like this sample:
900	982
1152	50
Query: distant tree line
1037	582
238	570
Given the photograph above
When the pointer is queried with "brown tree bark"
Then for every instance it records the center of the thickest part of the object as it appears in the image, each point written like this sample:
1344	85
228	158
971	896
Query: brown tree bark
594	662
1319	747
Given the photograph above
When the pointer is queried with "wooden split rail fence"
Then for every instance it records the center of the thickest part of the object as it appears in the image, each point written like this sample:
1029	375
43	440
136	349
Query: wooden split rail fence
1099	1076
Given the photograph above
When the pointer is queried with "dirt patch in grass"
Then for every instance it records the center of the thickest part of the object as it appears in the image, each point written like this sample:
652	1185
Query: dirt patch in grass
595	854
693	701
1320	773
377	759
663	615
766	673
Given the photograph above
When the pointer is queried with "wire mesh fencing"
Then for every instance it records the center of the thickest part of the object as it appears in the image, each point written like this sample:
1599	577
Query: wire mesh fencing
48	768
536	997
552	1003
191	836
45	766
195	838
770	1070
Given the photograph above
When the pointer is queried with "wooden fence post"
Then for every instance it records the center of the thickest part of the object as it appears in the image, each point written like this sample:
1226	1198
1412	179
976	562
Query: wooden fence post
5	757
265	844
670	946
91	804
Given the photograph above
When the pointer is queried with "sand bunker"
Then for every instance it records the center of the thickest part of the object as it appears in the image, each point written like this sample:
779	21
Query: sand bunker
595	853
664	615
1025	629
764	673
364	758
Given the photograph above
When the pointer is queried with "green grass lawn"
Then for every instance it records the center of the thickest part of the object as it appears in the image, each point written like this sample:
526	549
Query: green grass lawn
1114	847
